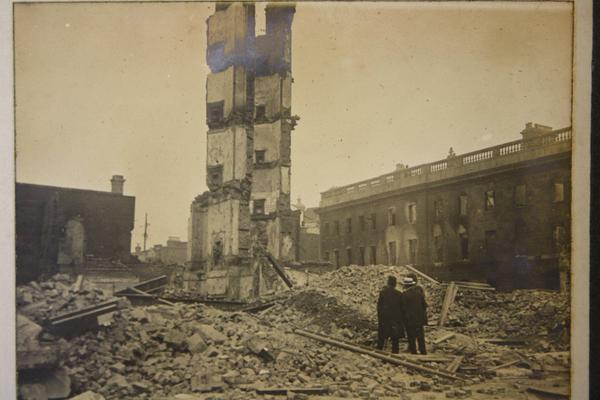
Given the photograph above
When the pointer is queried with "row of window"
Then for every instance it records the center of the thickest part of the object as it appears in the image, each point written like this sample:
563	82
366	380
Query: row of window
520	200
368	255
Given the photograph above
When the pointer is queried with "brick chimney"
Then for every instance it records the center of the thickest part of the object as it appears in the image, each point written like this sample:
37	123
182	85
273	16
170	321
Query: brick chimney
534	130
116	183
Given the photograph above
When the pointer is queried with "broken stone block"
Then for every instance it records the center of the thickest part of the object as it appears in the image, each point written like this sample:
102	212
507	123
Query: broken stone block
205	382
140	314
33	392
196	344
89	395
209	333
119	381
175	338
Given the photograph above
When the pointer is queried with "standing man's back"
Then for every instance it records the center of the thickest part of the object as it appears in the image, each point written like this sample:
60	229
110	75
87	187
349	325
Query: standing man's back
415	314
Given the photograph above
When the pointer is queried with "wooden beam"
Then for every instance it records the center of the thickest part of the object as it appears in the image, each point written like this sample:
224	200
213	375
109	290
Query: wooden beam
392	360
421	274
279	269
448	300
453	367
444	338
285	390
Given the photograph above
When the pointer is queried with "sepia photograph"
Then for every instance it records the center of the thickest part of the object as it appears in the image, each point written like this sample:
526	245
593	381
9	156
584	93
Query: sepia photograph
309	200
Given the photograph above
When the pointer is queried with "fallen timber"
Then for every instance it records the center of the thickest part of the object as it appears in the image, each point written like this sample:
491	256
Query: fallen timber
279	269
375	354
421	274
75	322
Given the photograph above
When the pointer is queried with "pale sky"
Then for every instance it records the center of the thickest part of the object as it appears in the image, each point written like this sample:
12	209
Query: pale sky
105	89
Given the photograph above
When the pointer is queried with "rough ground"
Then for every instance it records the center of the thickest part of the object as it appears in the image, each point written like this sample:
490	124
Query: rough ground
194	351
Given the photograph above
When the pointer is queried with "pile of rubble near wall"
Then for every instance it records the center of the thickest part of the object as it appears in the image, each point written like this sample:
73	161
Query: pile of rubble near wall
194	351
529	314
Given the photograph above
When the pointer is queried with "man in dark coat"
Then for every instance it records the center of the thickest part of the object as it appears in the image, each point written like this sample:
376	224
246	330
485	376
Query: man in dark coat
415	313
389	315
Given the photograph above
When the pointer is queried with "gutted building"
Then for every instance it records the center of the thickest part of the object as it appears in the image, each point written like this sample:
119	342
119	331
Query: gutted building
58	226
500	214
248	112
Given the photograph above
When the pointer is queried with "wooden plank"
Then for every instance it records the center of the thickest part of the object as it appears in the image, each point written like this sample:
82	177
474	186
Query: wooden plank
507	364
387	358
453	367
279	270
551	391
448	300
78	283
505	342
421	274
444	338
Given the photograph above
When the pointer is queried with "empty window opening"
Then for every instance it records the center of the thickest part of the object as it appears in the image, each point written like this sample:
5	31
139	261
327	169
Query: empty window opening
412	213
349	225
259	155
464	246
490	199
261	112
412	251
559	192
438	244
361	255
214	111
259	207
349	255
326	228
336	258
520	195
438	208
392	253
391	216
373	255
462	200
361	223
373	221
490	243
326	256
336	227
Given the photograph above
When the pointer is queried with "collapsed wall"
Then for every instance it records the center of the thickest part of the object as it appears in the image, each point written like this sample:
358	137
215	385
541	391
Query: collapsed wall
246	210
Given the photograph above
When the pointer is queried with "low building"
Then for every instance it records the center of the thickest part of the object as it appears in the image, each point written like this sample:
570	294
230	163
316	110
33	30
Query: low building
58	226
175	252
307	238
500	214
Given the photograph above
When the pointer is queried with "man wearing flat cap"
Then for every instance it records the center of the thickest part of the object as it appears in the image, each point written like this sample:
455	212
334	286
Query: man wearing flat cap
415	313
389	315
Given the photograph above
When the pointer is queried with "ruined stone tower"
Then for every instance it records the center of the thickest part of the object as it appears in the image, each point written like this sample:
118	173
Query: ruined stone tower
248	112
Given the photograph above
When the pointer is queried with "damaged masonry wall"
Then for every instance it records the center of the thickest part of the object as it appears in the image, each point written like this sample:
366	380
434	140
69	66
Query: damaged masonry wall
248	111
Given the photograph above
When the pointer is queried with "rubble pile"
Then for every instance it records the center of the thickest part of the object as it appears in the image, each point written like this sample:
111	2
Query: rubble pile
57	295
163	350
537	314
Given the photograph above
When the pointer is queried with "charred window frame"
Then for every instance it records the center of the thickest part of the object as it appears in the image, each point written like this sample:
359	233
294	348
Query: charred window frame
260	156
258	207
215	112
260	112
349	255
336	227
349	225
361	251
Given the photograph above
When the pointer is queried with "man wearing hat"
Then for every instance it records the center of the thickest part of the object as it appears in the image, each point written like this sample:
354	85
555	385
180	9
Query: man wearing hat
389	315
415	313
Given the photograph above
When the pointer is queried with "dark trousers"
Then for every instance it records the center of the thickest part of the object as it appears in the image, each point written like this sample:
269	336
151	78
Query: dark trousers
415	335
383	336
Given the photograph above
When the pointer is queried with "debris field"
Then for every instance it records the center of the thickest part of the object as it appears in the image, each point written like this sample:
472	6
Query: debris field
315	341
